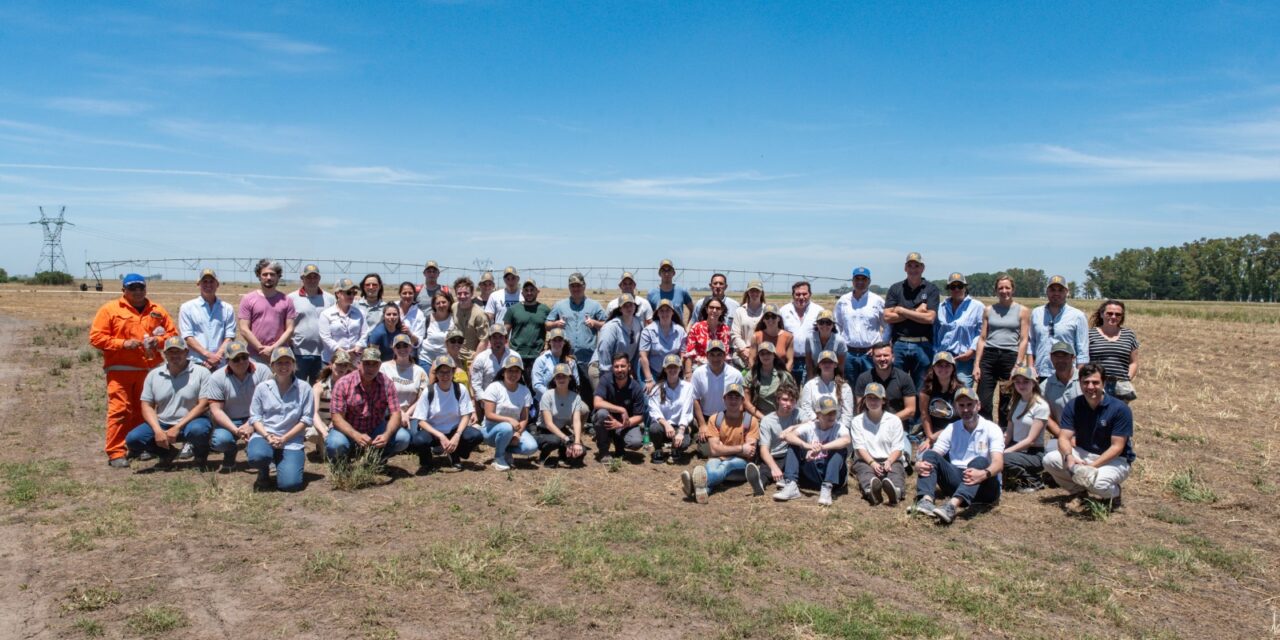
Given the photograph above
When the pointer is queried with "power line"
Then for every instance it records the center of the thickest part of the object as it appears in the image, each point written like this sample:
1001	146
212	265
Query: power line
51	254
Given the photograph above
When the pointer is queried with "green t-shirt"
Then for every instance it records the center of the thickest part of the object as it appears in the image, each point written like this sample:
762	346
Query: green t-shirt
528	323
765	390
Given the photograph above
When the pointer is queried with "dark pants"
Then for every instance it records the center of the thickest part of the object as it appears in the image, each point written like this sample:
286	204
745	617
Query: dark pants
814	473
585	389
549	442
950	479
1024	464
866	475
631	438
799	370
528	374
996	366
422	442
308	368
658	436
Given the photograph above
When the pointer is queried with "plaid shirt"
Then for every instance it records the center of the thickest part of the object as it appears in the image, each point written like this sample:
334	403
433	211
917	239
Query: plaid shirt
363	409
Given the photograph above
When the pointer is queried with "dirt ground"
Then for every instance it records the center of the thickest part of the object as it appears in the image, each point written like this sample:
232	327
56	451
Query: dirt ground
87	551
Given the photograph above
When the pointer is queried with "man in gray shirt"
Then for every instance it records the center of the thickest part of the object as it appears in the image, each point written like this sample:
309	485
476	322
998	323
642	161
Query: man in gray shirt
172	410
1063	386
308	302
229	392
773	448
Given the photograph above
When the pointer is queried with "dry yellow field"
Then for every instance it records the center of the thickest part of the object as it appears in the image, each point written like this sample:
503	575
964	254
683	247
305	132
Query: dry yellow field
89	551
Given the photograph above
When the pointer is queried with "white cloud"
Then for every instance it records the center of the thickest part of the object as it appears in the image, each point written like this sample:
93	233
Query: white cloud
369	174
276	43
37	134
1168	165
222	202
98	107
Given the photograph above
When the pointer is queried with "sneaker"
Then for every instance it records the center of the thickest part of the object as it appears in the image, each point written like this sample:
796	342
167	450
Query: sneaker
544	454
923	506
118	463
700	484
890	491
945	513
704	449
657	457
454	463
424	468
605	459
188	452
145	456
873	495
1030	485
787	491
824	498
754	479
201	463
165	459
263	484
501	465
686	483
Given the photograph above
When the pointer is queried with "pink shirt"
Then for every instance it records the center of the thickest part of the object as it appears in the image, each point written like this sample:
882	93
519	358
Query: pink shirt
266	317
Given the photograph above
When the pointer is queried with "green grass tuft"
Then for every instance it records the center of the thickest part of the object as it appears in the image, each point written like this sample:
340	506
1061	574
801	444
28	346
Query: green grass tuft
1187	485
154	620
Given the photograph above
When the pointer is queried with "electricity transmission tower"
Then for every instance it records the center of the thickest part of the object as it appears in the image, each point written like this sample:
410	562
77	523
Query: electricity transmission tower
51	254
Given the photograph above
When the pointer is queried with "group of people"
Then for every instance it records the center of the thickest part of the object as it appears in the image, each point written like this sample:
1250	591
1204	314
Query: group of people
970	398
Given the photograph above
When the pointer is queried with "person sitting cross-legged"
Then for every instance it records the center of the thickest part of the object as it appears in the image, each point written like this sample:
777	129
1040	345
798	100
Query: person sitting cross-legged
280	412
733	438
964	463
817	453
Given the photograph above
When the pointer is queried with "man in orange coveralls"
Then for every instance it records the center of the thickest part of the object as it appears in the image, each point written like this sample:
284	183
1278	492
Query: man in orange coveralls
129	332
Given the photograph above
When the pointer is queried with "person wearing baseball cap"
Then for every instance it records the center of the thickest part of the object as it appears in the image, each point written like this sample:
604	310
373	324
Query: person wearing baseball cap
709	381
859	318
557	351
282	409
711	325
229	393
172	410
668	290
408	377
744	323
1063	386
1056	320
910	308
627	284
663	337
507	407
484	288
671	410
878	439
1002	345
364	412
733	436
445	414
487	365
619	406
309	301
1095	447
496	305
322	391
581	318
266	317
936	396
1024	434
430	287
342	325
964	465
619	335
826	382
128	332
959	325
527	326
816	457
563	412
206	323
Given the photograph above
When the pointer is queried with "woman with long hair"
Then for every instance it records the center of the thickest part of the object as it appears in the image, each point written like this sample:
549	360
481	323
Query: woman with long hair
1114	347
878	441
409	378
435	326
507	403
556	350
620	334
743	320
710	326
760	385
664	336
280	414
671	412
370	301
560	430
320	391
384	333
444	416
935	398
827	383
1024	434
769	329
826	337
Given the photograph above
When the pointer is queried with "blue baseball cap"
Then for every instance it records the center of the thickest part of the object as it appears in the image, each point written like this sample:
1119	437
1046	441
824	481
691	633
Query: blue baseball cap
133	278
862	271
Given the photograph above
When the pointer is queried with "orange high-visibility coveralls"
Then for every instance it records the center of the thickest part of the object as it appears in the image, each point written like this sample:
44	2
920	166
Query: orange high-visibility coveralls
126	369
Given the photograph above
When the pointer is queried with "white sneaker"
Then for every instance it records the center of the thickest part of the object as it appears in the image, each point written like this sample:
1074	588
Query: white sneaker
188	452
501	465
890	491
824	498
788	491
754	479
700	492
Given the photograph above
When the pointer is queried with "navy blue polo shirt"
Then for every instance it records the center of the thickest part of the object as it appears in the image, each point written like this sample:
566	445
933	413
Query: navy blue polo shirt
1095	427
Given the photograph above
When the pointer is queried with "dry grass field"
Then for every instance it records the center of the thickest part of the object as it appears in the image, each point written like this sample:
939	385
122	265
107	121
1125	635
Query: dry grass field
87	551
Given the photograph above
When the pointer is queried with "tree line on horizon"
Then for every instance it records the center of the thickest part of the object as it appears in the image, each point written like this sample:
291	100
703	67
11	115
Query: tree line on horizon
1243	269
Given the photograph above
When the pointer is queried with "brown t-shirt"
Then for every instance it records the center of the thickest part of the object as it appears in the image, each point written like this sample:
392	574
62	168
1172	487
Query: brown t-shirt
748	430
473	324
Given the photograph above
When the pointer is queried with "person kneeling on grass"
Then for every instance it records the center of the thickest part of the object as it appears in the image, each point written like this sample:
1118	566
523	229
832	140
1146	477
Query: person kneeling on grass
172	410
365	412
965	460
506	403
229	392
671	410
444	414
878	438
733	437
321	392
1024	436
619	414
817	453
280	413
1095	445
562	408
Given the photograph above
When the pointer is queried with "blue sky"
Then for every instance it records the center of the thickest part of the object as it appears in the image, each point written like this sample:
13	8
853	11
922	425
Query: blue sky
800	137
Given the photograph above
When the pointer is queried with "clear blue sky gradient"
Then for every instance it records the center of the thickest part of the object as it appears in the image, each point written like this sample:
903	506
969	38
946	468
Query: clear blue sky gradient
800	137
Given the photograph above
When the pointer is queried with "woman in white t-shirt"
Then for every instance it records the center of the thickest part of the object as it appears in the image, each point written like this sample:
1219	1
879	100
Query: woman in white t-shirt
878	440
444	415
408	378
435	329
507	403
1024	434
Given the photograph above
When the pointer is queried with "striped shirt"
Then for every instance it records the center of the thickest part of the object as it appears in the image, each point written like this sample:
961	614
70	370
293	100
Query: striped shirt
1113	356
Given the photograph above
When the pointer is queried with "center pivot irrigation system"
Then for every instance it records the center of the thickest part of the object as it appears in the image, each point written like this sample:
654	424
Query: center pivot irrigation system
599	278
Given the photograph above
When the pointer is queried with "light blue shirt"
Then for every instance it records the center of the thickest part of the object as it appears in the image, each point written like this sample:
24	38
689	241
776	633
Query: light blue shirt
960	446
209	324
544	368
576	331
279	412
658	344
615	338
1069	325
957	330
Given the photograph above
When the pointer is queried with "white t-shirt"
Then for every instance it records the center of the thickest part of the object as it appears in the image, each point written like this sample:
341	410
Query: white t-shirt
507	404
499	301
1022	425
408	381
810	433
708	388
433	339
444	412
878	439
815	388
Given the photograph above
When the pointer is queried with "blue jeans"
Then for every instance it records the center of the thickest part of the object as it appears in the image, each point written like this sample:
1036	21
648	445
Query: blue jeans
915	358
951	479
498	435
288	463
308	368
855	364
964	372
196	432
829	470
224	441
421	442
338	446
718	470
799	371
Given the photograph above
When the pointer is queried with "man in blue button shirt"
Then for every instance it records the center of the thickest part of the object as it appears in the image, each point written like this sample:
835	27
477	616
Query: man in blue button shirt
1056	321
1095	445
581	318
207	324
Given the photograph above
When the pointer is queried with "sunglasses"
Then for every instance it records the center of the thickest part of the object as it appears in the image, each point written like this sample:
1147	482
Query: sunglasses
456	341
953	287
1113	314
403	346
136	287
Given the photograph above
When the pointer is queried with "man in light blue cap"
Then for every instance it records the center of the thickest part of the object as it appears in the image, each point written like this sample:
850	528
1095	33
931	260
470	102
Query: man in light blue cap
859	317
